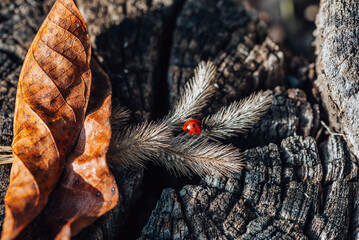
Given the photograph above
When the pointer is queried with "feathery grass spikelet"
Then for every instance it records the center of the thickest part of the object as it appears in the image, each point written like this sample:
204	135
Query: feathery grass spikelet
187	154
198	155
137	144
197	91
119	116
238	117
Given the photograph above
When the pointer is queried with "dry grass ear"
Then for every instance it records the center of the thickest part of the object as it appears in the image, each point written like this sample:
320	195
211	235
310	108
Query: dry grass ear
184	153
120	116
238	117
6	156
199	156
134	145
187	155
197	91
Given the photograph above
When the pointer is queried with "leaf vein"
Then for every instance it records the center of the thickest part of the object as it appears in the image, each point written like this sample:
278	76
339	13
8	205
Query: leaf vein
70	60
73	14
71	33
32	53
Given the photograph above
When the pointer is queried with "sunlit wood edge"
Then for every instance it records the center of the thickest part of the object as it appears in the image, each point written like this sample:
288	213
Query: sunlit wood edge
6	155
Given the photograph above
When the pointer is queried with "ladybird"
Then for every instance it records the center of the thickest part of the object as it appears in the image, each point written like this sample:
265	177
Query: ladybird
193	126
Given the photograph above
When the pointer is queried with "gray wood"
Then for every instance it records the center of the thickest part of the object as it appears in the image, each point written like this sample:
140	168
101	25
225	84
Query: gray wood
130	39
337	66
228	33
279	195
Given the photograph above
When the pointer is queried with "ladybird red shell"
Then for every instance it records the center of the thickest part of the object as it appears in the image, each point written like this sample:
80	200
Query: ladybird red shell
193	126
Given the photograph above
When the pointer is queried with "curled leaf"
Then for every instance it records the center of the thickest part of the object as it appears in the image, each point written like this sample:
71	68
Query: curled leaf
87	189
51	101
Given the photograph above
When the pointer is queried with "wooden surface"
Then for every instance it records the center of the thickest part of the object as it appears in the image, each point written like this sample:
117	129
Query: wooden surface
337	66
299	183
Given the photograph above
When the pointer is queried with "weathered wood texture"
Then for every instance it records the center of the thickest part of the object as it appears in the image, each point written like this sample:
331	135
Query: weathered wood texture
228	33
287	191
337	40
290	188
129	38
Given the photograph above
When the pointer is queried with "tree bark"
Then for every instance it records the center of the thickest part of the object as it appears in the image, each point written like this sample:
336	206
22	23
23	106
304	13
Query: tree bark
337	66
297	184
277	196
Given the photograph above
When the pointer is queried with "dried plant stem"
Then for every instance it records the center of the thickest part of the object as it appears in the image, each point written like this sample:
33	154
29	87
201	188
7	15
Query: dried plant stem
197	155
119	117
134	145
197	91
184	153
6	156
238	117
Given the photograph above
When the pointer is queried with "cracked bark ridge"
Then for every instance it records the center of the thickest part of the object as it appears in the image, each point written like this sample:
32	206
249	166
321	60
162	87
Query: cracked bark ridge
4	183
277	196
246	60
354	223
337	66
290	114
337	219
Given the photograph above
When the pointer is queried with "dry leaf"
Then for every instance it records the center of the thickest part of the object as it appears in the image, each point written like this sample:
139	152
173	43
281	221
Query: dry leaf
52	98
87	189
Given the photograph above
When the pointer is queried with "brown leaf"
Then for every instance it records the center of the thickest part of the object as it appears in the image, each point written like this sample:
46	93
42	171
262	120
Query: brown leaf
51	102
87	189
